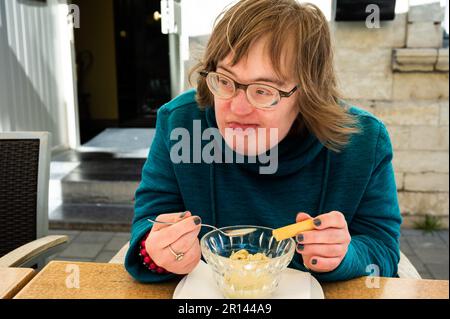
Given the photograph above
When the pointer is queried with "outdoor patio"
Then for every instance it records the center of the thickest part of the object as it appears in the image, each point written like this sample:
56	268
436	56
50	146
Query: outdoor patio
78	107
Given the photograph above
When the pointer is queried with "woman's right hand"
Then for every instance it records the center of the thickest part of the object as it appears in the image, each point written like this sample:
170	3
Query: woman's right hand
182	237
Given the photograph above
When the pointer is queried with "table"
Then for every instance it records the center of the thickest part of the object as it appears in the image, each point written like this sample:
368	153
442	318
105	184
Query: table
12	280
111	281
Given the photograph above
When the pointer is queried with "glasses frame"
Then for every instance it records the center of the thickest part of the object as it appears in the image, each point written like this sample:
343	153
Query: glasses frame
244	87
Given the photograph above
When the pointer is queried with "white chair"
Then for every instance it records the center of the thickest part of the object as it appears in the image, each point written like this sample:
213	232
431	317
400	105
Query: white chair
119	258
406	269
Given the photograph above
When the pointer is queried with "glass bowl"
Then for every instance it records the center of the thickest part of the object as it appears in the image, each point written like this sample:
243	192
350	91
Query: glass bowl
247	279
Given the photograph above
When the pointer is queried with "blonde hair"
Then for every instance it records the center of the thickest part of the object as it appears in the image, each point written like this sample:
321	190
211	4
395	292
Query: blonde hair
288	26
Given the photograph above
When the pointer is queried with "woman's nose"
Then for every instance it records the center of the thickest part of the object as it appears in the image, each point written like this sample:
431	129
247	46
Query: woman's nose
240	104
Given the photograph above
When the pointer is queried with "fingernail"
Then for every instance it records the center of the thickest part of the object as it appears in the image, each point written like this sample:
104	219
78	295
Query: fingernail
197	220
300	238
300	247
317	222
183	214
314	261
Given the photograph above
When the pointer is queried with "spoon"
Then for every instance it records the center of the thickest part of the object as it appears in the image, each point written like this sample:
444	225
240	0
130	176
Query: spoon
229	233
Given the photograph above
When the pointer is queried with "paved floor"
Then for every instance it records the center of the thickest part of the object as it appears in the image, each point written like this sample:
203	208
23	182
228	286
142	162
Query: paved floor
90	245
428	252
122	142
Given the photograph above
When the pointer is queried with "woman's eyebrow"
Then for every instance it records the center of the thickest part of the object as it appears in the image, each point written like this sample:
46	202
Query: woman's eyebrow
275	81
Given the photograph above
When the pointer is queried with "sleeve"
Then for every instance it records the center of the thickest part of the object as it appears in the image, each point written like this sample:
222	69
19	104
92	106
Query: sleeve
375	227
158	193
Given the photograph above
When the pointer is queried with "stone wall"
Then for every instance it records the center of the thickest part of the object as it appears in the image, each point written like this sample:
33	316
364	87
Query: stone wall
399	73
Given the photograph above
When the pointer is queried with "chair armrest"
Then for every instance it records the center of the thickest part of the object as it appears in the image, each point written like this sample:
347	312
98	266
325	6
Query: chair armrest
21	255
119	258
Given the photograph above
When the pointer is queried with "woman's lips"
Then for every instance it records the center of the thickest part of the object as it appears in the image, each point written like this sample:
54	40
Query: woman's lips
235	125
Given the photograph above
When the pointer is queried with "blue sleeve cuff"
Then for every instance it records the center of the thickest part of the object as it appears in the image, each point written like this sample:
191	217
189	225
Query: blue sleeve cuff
344	271
347	269
133	262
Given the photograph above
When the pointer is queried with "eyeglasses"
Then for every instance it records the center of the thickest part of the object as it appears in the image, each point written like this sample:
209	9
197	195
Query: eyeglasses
259	95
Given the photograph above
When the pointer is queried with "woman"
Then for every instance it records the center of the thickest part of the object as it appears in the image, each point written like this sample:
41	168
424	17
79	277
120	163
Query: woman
268	67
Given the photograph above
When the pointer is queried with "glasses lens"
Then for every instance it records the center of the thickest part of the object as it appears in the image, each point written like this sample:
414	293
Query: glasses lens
263	96
220	85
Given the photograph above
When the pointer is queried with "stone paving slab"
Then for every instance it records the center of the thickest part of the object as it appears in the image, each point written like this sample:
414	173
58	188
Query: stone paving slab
428	252
434	255
116	243
409	232
444	236
426	240
96	217
94	237
405	247
105	256
82	250
123	142
438	270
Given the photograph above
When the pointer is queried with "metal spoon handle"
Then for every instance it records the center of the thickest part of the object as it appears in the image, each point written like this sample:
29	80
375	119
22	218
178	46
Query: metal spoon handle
231	233
172	223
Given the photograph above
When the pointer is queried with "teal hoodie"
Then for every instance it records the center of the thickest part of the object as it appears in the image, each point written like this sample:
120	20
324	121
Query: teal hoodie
358	181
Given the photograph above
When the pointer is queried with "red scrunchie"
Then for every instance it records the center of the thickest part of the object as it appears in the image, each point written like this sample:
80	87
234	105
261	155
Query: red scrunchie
147	261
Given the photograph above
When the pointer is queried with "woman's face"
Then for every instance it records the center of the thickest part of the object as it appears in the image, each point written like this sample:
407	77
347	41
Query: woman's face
250	127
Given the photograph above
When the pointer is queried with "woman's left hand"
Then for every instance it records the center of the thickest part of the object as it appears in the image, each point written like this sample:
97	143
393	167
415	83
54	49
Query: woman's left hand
324	248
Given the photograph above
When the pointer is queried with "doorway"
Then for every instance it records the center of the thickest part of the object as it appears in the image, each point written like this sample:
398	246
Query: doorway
123	66
143	67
